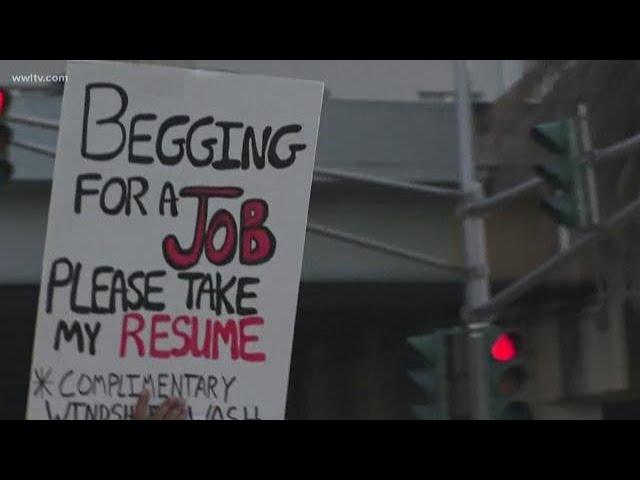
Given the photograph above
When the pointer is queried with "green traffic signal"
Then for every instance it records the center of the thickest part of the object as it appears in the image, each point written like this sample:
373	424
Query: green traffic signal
6	169
567	207
432	376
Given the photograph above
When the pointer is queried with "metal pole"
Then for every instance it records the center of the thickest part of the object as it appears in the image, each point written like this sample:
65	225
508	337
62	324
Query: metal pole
587	151
564	238
34	121
386	182
477	287
34	147
619	149
438	263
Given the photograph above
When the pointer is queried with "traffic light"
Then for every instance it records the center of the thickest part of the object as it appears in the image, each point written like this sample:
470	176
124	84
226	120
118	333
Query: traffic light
567	206
6	169
431	377
507	374
4	101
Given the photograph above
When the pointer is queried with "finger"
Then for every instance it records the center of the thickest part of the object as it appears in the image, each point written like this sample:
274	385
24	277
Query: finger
183	410
164	409
184	413
179	412
175	413
142	406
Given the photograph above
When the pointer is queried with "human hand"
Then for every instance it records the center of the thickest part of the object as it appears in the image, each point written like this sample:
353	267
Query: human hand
171	409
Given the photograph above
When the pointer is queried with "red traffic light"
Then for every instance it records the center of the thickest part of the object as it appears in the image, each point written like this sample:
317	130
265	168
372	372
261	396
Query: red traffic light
4	100
504	347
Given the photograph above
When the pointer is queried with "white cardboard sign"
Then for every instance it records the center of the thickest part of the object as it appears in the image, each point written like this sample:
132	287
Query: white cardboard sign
174	244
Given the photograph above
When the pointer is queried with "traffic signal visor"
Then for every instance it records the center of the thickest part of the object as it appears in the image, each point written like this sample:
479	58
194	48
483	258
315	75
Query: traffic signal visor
559	176
428	346
554	136
562	209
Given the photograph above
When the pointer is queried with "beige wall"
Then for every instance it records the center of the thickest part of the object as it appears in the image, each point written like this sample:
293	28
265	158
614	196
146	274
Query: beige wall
520	237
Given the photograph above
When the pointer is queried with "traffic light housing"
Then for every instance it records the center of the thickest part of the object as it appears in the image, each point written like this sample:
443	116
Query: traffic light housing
4	101
431	377
6	169
507	374
567	206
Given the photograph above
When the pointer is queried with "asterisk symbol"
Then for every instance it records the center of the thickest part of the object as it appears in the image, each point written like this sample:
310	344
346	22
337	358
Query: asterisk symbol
41	382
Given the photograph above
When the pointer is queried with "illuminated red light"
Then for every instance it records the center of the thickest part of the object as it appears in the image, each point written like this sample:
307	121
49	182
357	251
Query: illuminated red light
3	101
504	348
